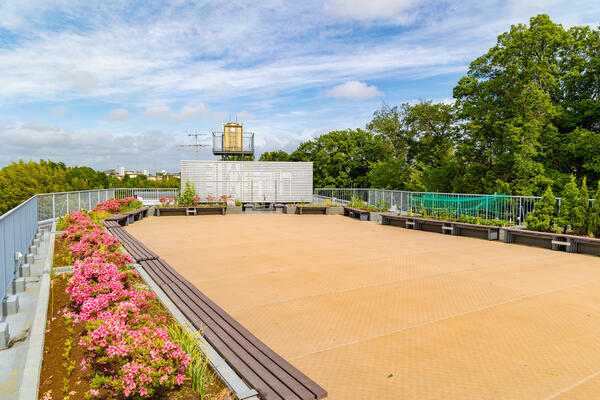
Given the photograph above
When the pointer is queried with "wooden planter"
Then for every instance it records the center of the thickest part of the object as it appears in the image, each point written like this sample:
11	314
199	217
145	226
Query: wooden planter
446	227
191	210
129	217
312	210
554	241
363	215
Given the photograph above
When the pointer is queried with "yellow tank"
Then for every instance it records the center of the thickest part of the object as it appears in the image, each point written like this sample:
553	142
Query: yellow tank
232	137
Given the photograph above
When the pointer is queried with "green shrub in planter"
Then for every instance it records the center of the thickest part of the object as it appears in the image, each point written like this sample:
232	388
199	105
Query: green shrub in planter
542	216
594	215
581	213
568	204
187	196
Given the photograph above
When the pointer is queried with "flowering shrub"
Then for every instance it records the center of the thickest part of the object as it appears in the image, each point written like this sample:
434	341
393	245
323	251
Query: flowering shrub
118	205
127	348
165	201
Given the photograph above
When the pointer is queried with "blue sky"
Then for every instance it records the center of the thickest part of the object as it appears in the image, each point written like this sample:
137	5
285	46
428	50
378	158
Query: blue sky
116	83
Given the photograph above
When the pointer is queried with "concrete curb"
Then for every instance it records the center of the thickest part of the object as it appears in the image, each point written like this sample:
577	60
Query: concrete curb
33	365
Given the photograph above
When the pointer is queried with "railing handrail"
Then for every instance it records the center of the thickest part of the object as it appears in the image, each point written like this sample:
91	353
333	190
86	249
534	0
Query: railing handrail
15	209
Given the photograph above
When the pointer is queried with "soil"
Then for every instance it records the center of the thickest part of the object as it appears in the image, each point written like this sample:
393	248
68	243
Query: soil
55	379
62	255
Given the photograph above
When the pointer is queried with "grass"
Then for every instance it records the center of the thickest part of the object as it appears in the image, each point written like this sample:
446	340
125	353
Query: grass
199	372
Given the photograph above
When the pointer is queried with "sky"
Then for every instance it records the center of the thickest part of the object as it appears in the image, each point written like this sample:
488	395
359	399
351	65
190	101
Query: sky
122	83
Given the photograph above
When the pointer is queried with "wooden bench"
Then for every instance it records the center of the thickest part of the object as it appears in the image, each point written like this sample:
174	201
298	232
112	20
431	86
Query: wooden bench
135	248
300	209
456	228
263	369
191	210
446	227
555	241
122	219
364	215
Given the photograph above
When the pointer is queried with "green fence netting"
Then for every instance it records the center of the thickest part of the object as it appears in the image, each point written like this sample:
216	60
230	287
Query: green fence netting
454	205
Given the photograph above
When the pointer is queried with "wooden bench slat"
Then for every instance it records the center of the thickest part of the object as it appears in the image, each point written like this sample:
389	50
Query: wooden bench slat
185	292
309	384
259	377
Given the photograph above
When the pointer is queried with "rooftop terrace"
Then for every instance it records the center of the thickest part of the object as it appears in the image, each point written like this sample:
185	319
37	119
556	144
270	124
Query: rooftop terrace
379	312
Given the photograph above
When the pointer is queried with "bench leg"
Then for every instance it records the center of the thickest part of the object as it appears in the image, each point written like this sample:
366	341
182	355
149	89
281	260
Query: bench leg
385	221
508	237
455	231
555	246
493	234
326	210
364	217
573	247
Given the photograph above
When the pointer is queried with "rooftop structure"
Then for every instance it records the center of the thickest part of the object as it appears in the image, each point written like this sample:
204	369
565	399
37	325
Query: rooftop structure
232	142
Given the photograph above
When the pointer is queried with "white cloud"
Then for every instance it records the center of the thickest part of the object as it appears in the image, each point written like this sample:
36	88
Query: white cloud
119	114
82	80
189	110
354	90
398	10
60	110
98	149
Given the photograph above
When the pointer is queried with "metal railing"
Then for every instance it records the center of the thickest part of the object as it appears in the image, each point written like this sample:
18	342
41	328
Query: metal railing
19	225
512	208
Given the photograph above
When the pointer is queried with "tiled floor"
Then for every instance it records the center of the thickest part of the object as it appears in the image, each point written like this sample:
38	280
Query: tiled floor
381	312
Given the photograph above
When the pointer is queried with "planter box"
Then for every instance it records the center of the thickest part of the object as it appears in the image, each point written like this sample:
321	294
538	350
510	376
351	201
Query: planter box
234	210
375	217
335	210
363	215
554	241
289	209
446	227
191	210
312	210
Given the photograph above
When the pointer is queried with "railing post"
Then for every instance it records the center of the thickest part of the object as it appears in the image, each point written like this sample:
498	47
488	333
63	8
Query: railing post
53	207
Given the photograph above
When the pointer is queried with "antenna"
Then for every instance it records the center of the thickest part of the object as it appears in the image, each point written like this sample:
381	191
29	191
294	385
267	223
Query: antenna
196	145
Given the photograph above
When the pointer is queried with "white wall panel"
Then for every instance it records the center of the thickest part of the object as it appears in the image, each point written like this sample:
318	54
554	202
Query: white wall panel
251	181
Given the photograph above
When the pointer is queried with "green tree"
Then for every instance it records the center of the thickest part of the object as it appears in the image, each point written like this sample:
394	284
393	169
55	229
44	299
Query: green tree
542	216
421	142
581	214
278	155
186	199
568	204
341	158
530	105
594	216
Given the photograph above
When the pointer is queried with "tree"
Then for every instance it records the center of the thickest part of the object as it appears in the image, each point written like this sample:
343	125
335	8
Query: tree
581	214
278	155
341	158
568	204
594	216
542	216
529	105
421	140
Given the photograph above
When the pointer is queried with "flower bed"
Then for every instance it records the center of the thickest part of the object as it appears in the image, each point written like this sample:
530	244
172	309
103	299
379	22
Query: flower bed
116	329
196	201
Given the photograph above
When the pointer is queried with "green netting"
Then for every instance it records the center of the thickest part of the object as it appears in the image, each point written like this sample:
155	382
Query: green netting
433	203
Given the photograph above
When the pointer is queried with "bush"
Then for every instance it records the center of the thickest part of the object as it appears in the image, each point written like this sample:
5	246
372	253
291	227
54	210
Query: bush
581	214
594	215
188	196
568	204
542	216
